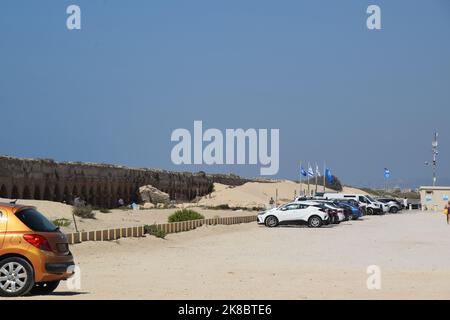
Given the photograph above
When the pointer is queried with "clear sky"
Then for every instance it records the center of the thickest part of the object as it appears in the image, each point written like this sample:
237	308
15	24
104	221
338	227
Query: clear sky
115	90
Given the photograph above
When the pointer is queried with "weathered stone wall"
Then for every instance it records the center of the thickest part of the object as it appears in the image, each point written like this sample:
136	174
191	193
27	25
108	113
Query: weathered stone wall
99	184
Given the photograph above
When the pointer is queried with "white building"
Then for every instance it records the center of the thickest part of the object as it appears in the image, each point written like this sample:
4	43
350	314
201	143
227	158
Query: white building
434	198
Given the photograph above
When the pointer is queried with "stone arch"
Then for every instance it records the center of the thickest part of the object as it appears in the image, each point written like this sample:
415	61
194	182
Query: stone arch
3	191
75	192
127	194
83	193
66	195
98	195
37	193
133	195
112	196
105	195
57	194
15	193
91	196
26	194
47	193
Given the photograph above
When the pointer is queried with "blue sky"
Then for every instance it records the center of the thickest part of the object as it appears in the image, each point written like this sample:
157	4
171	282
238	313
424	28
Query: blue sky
114	91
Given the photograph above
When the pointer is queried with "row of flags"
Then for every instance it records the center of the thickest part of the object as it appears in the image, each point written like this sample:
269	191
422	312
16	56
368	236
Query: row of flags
310	173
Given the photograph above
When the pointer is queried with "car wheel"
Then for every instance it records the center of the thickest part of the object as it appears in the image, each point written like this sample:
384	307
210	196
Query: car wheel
271	221
314	222
369	211
394	210
43	288
16	277
350	217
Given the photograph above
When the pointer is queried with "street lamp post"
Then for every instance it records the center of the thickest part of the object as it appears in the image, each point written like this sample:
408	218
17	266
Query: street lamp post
435	153
434	148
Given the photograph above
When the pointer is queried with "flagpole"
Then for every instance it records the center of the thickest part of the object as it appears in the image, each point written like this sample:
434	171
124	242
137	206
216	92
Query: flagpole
307	175
300	192
315	192
324	173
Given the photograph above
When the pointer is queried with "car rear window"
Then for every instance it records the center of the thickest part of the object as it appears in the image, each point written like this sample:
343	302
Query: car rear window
35	220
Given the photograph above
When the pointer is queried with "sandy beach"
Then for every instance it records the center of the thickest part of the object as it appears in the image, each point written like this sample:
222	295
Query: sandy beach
248	261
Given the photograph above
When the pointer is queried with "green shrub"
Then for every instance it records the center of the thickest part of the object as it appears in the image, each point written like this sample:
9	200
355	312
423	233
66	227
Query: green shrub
104	210
63	222
154	231
84	211
185	215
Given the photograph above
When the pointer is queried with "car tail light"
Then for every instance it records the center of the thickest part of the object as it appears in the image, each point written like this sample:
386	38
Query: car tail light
37	241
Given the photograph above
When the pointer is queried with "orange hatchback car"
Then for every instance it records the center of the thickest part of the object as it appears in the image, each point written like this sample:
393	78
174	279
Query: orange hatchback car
34	253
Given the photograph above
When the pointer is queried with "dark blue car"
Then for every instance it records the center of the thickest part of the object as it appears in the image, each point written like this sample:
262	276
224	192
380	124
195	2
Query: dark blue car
354	211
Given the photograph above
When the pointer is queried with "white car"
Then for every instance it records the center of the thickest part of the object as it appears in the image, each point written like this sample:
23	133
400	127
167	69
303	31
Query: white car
331	206
393	205
339	212
294	213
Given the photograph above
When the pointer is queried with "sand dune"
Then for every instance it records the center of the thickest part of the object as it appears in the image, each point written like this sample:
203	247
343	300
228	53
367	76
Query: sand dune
257	194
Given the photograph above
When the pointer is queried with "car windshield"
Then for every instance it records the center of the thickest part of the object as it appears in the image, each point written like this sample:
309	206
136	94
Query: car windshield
371	199
35	220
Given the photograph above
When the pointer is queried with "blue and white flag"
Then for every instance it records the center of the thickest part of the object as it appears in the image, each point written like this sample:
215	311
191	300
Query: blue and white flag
310	172
387	173
328	175
317	171
303	172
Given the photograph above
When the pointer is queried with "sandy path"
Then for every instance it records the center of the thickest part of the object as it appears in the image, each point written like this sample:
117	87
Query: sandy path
251	262
131	218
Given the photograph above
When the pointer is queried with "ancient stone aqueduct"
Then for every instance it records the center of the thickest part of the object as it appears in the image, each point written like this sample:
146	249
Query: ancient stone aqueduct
99	184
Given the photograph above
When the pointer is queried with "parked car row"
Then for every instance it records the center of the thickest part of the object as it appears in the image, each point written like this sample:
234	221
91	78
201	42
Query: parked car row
327	208
313	212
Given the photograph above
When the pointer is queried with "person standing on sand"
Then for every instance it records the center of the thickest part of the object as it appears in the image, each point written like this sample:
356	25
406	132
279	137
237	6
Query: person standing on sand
271	202
446	211
405	203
